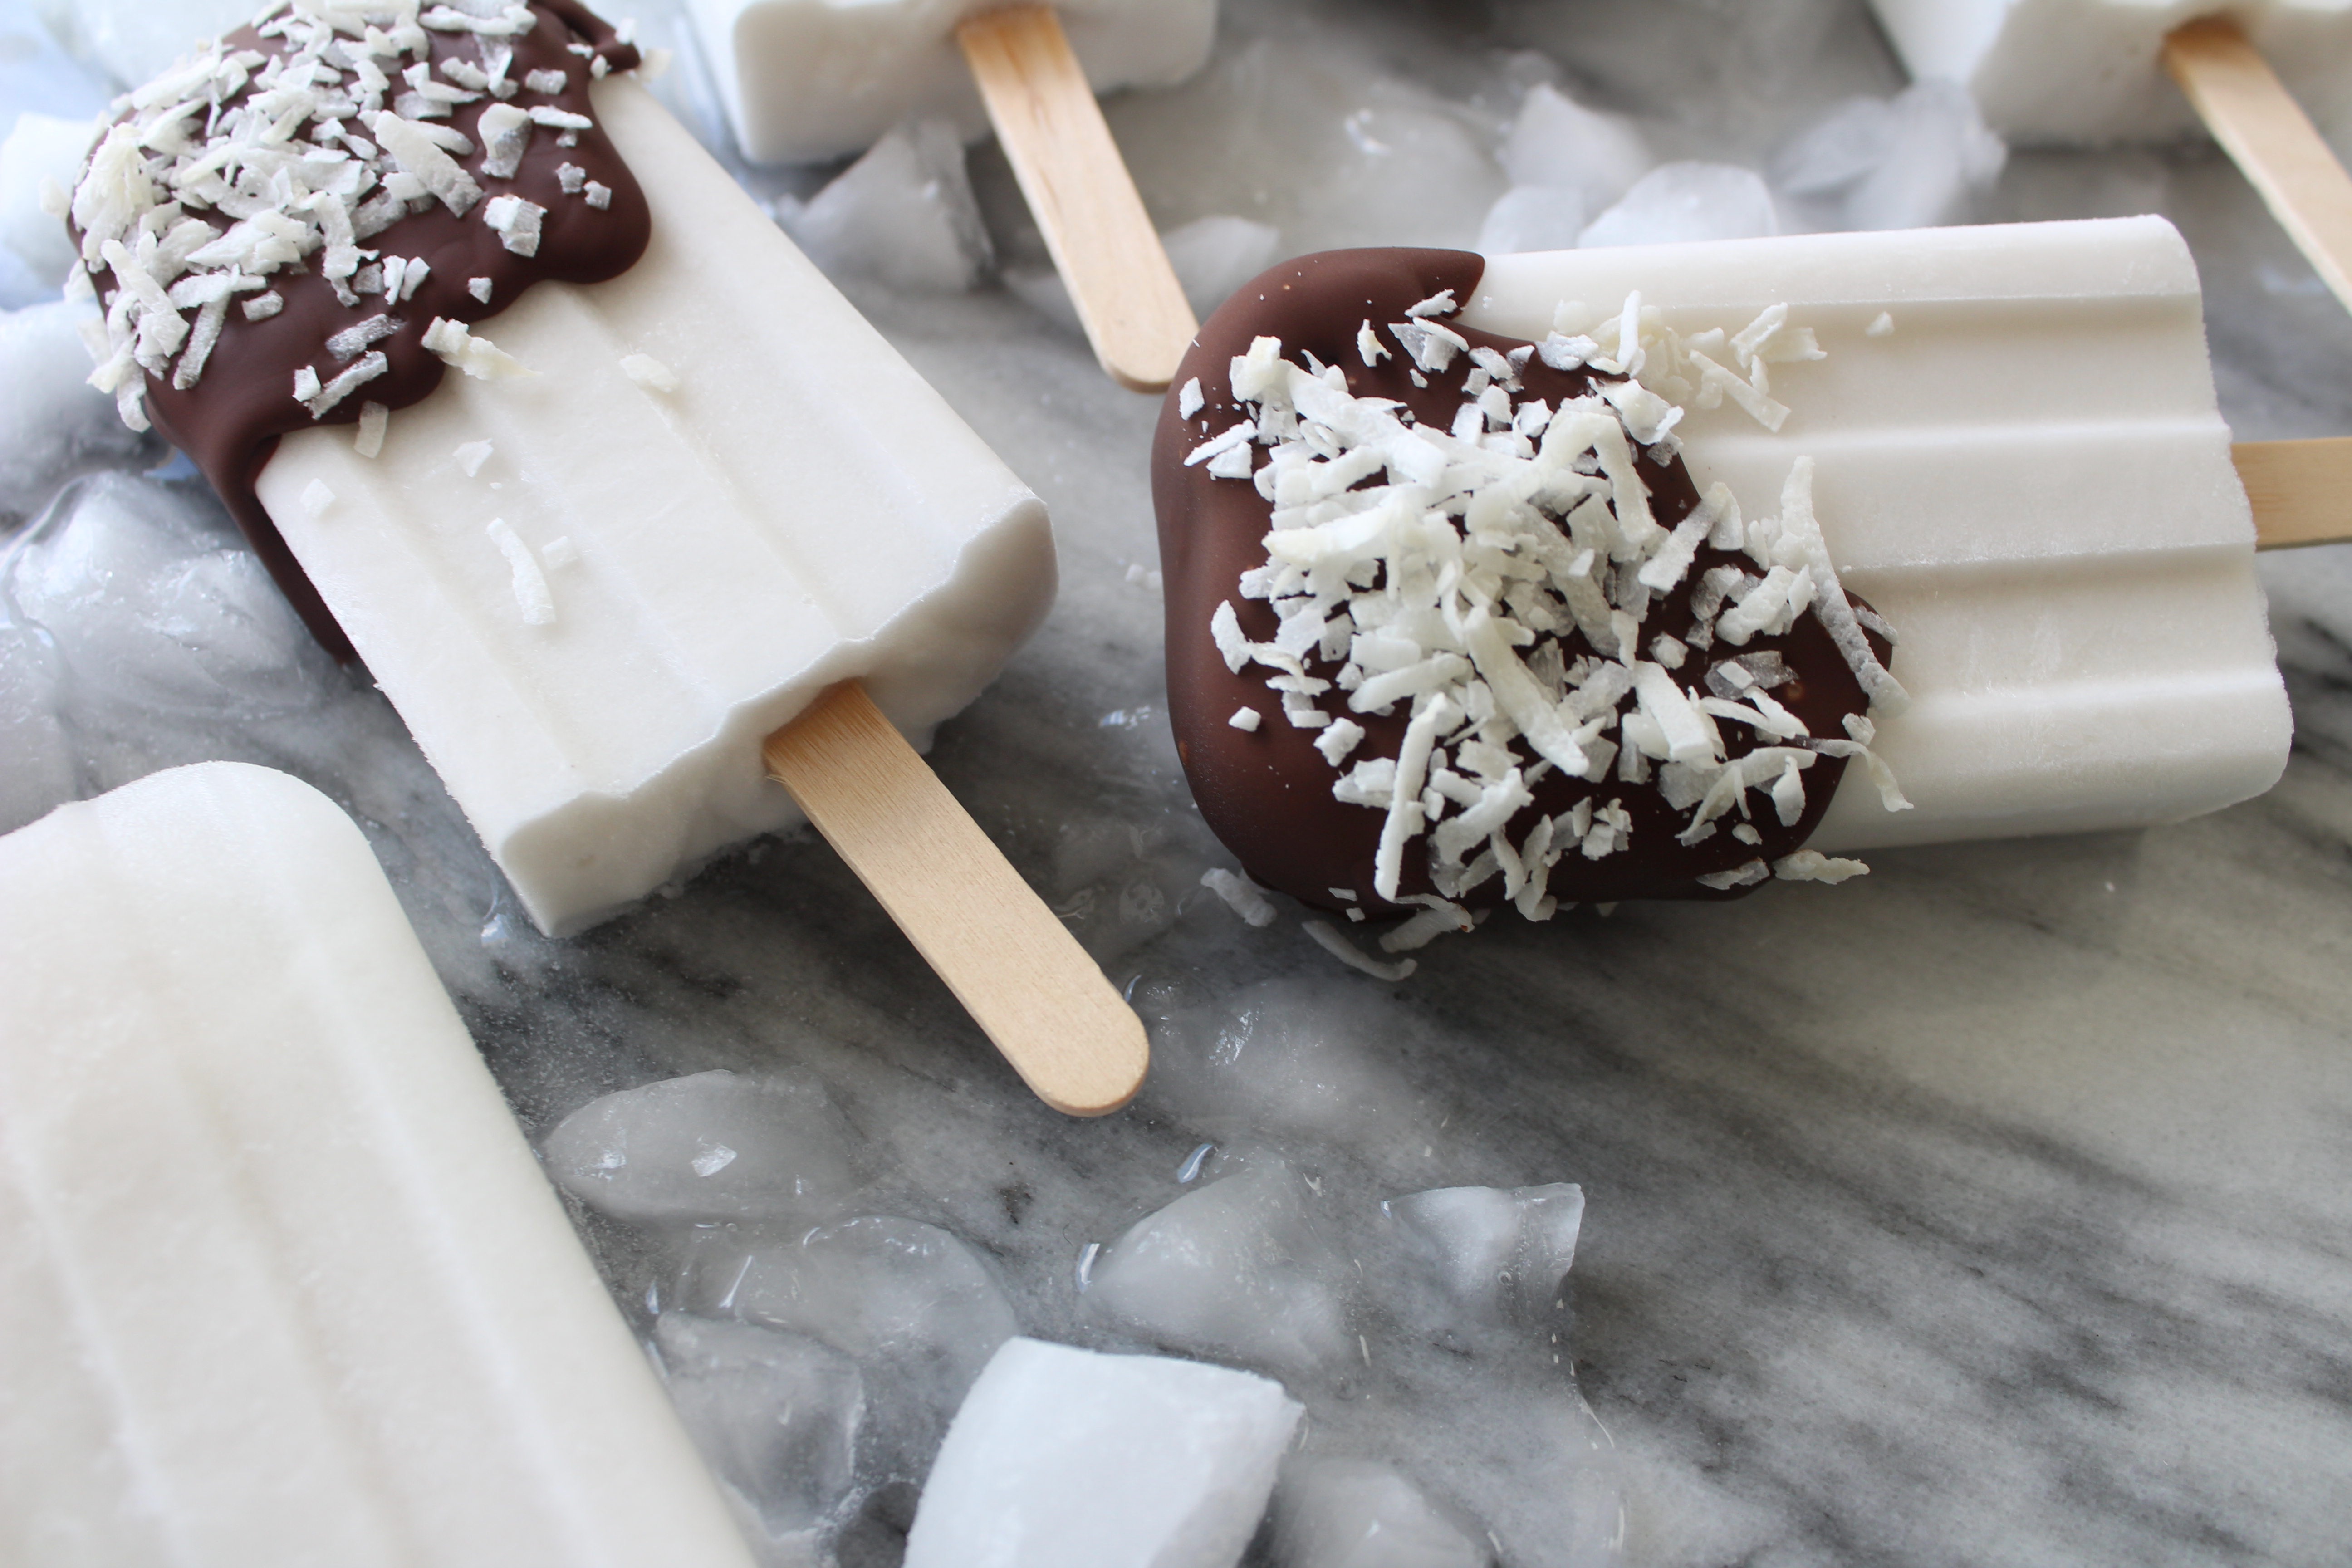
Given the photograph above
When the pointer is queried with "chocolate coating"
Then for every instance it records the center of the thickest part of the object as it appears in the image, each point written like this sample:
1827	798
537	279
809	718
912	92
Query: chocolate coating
229	423
1267	793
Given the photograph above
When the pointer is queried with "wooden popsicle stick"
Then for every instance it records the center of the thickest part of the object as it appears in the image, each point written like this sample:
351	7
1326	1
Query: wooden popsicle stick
1015	968
1079	191
2260	125
2301	491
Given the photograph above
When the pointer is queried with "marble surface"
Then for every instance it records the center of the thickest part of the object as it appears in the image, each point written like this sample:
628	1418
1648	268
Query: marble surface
1995	1208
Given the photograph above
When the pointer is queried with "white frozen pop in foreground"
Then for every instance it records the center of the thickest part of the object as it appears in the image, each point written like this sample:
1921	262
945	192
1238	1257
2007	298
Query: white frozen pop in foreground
2028	476
279	1280
804	509
1064	1458
2090	71
804	80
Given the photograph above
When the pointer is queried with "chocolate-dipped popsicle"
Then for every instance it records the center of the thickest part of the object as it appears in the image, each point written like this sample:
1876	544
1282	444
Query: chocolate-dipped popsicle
649	547
1399	552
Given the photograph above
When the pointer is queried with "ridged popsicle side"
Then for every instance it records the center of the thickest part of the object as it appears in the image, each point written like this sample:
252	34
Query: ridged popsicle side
279	1280
800	508
2028	475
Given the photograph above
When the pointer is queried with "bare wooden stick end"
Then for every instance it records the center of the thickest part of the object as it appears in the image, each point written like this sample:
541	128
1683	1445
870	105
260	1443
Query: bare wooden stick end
1014	967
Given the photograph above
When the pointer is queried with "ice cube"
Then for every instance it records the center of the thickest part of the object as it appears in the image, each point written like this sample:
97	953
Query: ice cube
775	1415
1357	1513
710	1146
36	73
150	598
904	212
1675	202
1236	1268
1070	1458
135	39
1532	217
36	769
53	423
1913	161
42	149
1483	1255
1316	131
1557	143
1297	1058
1213	256
908	1302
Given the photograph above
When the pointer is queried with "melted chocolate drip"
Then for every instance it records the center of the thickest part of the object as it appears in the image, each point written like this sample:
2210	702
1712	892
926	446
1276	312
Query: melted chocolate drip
229	422
1267	793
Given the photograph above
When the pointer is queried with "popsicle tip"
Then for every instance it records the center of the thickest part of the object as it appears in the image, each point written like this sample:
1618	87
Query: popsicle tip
1152	378
1097	1075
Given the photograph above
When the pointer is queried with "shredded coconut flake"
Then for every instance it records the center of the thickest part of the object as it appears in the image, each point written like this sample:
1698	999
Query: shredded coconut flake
649	372
538	605
1813	866
471	457
515	223
317	498
1245	719
455	344
1328	939
375	419
1241	896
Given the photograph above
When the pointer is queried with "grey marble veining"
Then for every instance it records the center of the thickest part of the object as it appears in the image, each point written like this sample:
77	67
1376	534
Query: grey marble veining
1995	1208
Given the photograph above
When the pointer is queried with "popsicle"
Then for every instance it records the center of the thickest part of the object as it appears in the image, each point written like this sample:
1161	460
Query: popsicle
280	1279
2000	445
679	493
2092	72
806	79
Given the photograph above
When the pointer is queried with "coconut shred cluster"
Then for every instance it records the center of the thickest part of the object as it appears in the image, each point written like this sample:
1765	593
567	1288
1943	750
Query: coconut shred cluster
239	163
1498	578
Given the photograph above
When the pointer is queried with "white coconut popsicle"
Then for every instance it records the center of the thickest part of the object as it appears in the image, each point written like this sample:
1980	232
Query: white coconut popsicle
809	79
2020	462
681	523
719	496
800	509
2093	73
280	1281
